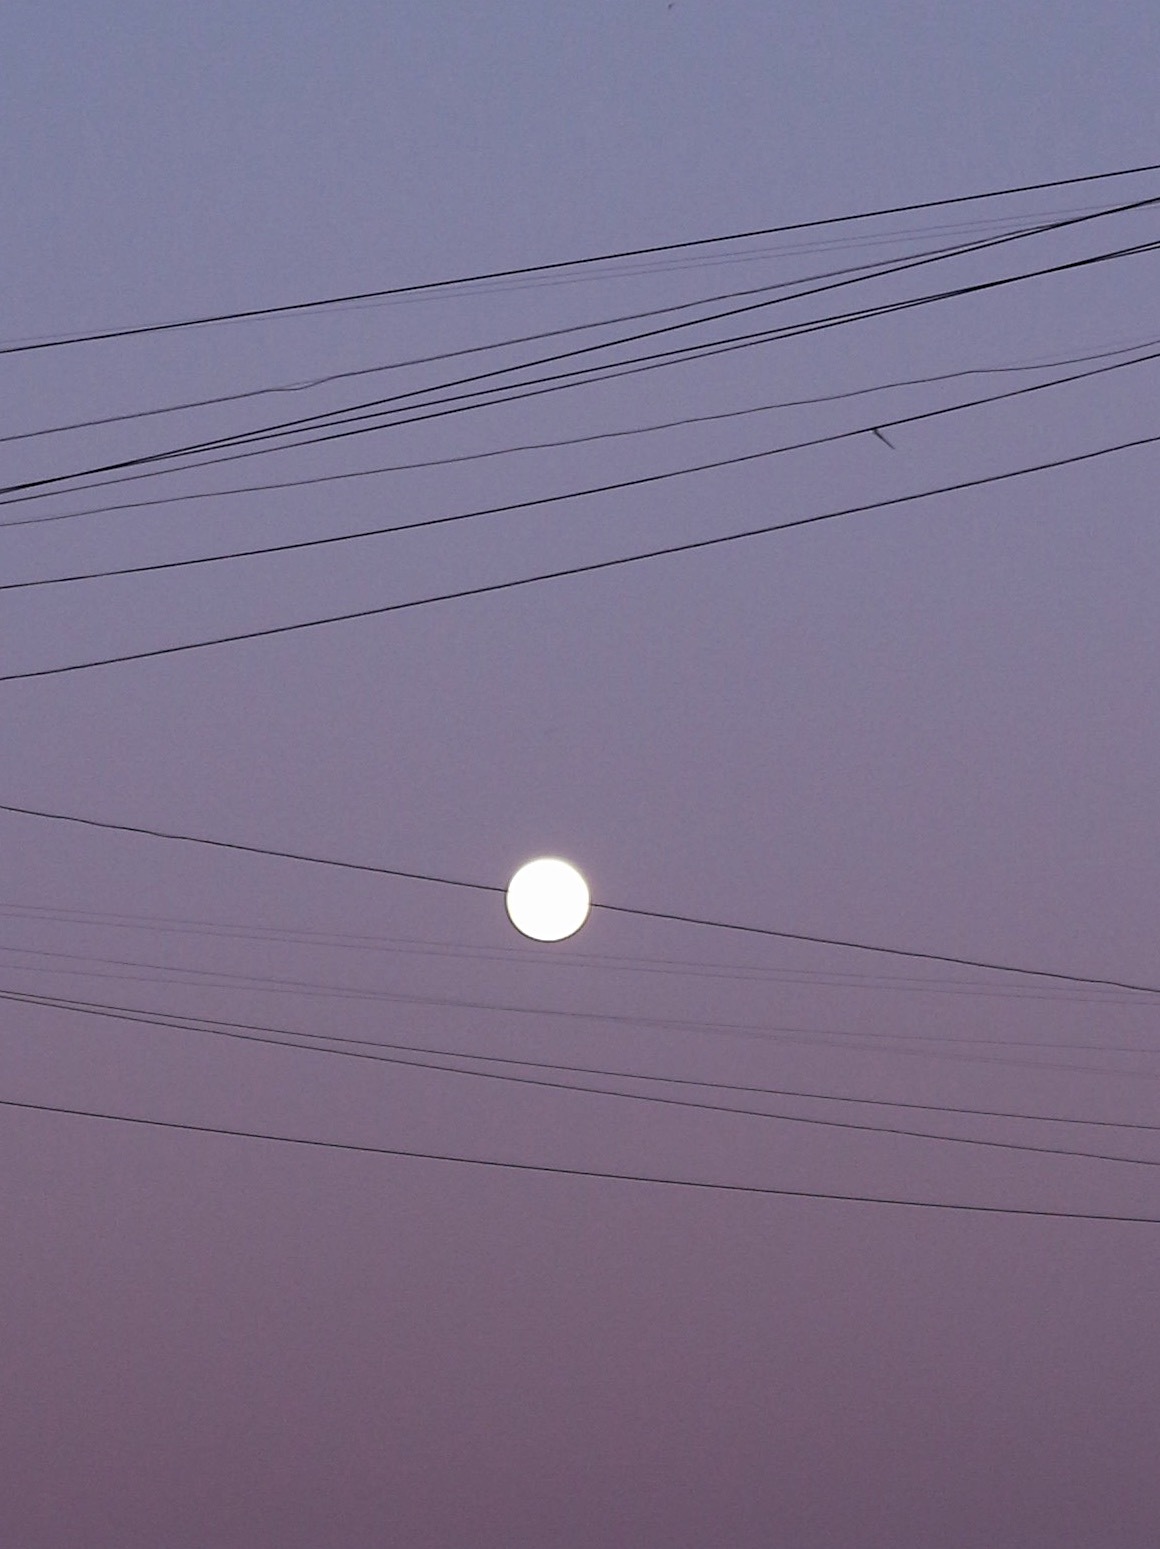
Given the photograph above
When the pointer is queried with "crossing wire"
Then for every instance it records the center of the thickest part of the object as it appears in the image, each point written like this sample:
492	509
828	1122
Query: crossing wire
585	492
714	417
151	1016
666	916
68	340
569	571
373	408
283	1039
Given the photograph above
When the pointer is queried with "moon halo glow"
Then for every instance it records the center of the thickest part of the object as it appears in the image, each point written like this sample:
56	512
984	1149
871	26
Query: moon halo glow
548	899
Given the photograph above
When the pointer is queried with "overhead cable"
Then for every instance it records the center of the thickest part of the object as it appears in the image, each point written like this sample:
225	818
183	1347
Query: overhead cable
327	421
585	492
681	966
714	417
844	1038
665	916
180	1021
282	1038
545	1169
568	572
312	383
460	403
64	341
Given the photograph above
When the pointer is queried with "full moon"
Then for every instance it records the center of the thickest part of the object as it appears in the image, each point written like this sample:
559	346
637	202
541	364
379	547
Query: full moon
547	900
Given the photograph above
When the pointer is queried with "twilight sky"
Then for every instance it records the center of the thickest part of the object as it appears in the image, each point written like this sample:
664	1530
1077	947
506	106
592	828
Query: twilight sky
934	726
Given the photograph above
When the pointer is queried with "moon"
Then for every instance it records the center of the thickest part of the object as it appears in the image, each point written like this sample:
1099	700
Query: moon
548	899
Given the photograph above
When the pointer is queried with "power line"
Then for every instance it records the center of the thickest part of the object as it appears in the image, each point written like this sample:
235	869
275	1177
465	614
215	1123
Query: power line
594	436
310	384
682	967
461	403
394	411
370	409
183	1022
586	492
895	267
623	909
165	973
204	320
865	270
548	1170
277	1038
567	572
920	1046
330	378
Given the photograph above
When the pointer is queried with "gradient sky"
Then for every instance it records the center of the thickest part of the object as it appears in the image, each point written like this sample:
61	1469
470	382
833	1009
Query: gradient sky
935	726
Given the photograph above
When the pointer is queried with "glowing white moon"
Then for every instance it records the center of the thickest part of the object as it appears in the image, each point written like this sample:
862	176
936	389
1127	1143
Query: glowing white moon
548	900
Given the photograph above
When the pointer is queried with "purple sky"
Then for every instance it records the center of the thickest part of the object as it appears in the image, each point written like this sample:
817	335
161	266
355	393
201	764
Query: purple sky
935	726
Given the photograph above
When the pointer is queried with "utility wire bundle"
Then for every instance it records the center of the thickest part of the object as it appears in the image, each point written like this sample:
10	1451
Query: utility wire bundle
449	385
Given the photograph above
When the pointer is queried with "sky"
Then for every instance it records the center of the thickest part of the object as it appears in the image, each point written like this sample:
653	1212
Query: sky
933	725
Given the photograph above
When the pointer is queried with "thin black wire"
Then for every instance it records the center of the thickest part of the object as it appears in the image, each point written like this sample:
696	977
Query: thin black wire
179	1020
312	383
280	428
393	412
613	962
480	398
568	572
330	378
623	909
164	973
374	407
867	270
569	263
546	1169
882	271
277	1038
594	436
586	492
898	1045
